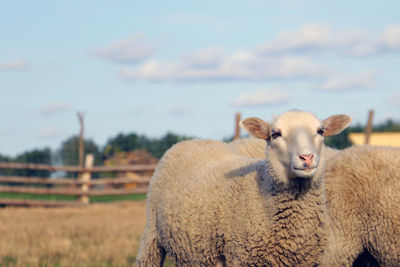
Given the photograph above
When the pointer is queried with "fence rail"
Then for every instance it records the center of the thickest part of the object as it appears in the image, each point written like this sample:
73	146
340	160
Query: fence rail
44	167
72	192
69	181
82	187
37	203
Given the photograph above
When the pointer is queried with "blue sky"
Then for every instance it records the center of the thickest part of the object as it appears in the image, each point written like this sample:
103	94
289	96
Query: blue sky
187	67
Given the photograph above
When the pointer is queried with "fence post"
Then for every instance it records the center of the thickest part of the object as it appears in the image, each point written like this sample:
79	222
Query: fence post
81	144
368	127
237	126
85	177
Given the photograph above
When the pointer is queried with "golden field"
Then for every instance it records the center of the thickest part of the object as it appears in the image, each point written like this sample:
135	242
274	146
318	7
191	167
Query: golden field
97	235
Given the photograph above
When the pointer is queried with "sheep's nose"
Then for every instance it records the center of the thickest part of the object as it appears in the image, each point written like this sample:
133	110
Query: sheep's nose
306	159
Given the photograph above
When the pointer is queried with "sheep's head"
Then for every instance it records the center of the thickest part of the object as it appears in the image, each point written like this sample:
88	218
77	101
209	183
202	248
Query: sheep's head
295	140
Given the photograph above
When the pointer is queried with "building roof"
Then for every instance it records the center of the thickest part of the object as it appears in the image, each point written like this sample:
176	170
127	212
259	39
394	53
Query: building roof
378	139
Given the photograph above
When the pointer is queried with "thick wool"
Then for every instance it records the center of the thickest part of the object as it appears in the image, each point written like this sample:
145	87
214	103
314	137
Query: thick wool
350	236
250	147
210	202
363	202
207	202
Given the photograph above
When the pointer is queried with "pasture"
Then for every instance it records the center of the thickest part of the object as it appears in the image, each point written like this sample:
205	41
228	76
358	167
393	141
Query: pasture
95	235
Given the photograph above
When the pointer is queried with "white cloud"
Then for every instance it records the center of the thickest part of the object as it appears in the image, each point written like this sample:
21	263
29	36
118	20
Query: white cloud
311	38
214	64
204	58
266	97
131	49
181	111
320	37
282	58
15	65
54	108
387	41
360	81
48	132
362	49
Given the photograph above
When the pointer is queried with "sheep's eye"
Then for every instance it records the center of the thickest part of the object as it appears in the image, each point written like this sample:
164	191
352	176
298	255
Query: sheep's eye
275	134
321	131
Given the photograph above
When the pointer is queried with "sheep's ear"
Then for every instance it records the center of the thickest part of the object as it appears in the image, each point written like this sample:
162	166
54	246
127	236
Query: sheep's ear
335	124
256	127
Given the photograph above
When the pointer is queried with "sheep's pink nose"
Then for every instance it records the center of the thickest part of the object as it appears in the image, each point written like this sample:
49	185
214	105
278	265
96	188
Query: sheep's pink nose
307	160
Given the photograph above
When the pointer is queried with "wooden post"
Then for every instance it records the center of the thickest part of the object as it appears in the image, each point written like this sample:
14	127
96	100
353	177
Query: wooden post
81	145
237	126
85	178
368	127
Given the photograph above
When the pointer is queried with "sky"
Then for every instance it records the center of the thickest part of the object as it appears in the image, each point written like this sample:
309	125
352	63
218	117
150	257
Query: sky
152	67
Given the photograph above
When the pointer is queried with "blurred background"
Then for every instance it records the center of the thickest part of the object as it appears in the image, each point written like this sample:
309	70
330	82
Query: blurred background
143	75
186	67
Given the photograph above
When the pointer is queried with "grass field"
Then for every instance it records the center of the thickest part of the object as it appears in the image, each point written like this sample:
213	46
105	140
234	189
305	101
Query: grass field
105	234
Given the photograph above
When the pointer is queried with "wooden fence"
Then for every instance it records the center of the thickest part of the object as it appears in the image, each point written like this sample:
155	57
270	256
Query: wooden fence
82	187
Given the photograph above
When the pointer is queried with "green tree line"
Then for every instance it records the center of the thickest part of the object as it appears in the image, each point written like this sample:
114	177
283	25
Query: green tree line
342	140
67	154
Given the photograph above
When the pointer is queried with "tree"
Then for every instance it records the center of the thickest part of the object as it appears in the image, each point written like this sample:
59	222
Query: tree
129	142
388	126
6	171
339	141
69	152
158	147
36	156
124	143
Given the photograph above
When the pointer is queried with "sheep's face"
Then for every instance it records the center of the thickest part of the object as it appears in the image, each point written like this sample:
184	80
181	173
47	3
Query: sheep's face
295	139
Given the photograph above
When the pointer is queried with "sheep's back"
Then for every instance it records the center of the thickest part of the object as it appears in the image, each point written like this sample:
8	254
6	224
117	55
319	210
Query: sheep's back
363	193
194	196
366	173
251	147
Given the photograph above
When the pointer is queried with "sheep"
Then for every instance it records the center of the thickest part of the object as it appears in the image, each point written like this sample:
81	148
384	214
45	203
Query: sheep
339	253
363	205
336	200
214	203
343	251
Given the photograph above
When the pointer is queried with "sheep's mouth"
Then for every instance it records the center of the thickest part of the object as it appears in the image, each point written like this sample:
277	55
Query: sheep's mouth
307	169
304	172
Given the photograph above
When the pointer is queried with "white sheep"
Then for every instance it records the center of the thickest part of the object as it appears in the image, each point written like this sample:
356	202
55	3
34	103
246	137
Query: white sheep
349	244
211	202
363	203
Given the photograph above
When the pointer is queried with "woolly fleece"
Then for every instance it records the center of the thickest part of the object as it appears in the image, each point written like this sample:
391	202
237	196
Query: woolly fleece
363	201
212	202
229	204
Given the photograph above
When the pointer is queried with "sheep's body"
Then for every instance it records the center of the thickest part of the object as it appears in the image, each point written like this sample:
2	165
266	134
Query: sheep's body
363	193
207	215
211	202
250	147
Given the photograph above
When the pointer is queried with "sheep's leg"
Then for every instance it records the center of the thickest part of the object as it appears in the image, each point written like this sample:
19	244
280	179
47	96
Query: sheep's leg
221	262
150	254
387	253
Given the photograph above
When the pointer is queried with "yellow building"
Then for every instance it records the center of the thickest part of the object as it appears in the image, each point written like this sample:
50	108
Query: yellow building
377	139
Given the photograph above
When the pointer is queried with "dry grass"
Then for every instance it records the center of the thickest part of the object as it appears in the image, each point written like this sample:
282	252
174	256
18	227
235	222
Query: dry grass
98	235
